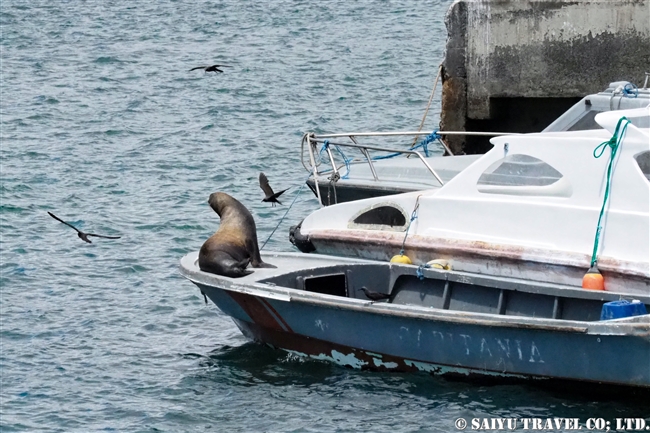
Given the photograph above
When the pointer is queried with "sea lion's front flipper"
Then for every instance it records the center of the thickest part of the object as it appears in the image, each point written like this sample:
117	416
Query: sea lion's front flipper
256	259
258	263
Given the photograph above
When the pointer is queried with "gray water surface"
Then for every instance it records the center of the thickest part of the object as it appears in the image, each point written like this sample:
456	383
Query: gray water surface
103	124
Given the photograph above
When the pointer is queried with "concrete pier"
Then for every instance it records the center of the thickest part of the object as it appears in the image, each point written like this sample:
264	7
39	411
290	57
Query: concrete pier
515	65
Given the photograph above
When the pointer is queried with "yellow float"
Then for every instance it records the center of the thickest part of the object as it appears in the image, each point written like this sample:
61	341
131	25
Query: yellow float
440	264
402	259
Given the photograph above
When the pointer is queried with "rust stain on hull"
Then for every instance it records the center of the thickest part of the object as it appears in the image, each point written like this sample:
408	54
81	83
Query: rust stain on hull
260	311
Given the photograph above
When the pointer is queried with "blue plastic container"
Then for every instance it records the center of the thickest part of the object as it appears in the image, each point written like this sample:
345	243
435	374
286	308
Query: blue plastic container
623	308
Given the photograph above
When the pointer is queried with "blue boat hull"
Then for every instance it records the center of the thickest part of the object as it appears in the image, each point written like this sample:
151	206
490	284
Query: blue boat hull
369	340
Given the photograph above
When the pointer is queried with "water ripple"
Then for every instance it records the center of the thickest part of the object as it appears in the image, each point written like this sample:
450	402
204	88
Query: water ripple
104	125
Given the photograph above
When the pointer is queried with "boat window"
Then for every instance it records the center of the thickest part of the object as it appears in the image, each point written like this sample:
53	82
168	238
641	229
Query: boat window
643	159
380	217
587	121
520	170
523	175
386	215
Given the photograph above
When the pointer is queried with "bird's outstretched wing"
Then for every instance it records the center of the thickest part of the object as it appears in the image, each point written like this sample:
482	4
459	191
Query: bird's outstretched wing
102	236
278	194
60	220
210	67
264	184
82	235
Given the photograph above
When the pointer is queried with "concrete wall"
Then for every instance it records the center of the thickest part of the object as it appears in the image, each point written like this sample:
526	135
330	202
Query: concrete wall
502	54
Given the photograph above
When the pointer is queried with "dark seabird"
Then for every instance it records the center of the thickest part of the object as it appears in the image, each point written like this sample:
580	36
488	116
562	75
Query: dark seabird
375	296
271	196
213	68
82	235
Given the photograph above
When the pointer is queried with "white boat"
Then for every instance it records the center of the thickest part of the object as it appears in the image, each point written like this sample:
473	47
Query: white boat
337	177
529	208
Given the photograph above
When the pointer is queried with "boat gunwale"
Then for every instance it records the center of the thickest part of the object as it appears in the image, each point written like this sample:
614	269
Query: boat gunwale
453	247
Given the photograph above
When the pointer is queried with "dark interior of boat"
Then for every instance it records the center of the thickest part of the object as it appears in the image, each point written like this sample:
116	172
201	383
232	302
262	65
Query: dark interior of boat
455	291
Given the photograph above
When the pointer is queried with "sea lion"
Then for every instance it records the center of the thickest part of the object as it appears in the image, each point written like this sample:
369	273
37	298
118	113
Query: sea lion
229	251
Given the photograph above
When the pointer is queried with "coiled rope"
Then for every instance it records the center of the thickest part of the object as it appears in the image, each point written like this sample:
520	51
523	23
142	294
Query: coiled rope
630	90
613	143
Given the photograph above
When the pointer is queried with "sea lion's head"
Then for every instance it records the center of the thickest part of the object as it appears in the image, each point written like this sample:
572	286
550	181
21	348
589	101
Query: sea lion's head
219	201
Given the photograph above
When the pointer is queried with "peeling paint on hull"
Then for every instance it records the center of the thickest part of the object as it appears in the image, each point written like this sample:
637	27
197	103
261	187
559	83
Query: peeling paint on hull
351	357
484	258
366	360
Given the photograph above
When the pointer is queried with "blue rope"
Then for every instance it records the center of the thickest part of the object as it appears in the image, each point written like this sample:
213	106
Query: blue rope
285	214
346	160
420	270
613	143
326	144
414	215
630	89
424	144
428	139
390	155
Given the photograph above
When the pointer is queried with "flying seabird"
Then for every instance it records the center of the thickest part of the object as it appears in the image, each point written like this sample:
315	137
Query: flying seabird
270	196
213	68
82	235
375	296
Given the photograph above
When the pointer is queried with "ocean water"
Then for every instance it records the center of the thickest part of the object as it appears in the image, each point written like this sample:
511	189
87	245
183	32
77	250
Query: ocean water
103	124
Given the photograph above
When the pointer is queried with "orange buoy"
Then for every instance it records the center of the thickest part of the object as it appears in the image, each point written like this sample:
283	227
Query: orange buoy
593	280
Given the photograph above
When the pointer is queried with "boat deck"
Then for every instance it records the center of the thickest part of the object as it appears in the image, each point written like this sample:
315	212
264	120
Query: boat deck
339	280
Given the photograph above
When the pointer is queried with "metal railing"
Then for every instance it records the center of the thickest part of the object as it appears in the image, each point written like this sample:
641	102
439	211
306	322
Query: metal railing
312	140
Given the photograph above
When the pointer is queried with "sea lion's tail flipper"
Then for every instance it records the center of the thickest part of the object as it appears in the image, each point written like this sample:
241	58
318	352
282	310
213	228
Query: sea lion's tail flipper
262	264
242	264
224	264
